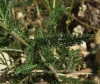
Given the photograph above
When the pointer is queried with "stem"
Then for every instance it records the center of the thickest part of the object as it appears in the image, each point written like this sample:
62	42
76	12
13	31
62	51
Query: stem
54	1
6	49
13	34
49	66
69	14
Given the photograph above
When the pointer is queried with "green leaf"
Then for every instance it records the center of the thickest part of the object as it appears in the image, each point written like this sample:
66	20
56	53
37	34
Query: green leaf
25	69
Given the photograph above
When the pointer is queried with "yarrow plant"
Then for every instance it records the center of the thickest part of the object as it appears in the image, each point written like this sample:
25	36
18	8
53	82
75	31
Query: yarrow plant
47	53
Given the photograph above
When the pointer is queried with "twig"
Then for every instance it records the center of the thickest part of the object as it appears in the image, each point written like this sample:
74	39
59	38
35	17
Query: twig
50	67
6	49
42	71
38	14
26	78
81	72
69	14
37	9
75	74
82	23
86	71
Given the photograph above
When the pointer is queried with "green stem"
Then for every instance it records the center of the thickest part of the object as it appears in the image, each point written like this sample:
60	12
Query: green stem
14	34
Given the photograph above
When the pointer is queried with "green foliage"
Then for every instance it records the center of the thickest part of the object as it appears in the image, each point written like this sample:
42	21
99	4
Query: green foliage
4	39
69	58
62	40
45	40
25	69
21	3
48	4
44	45
5	6
55	15
30	57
